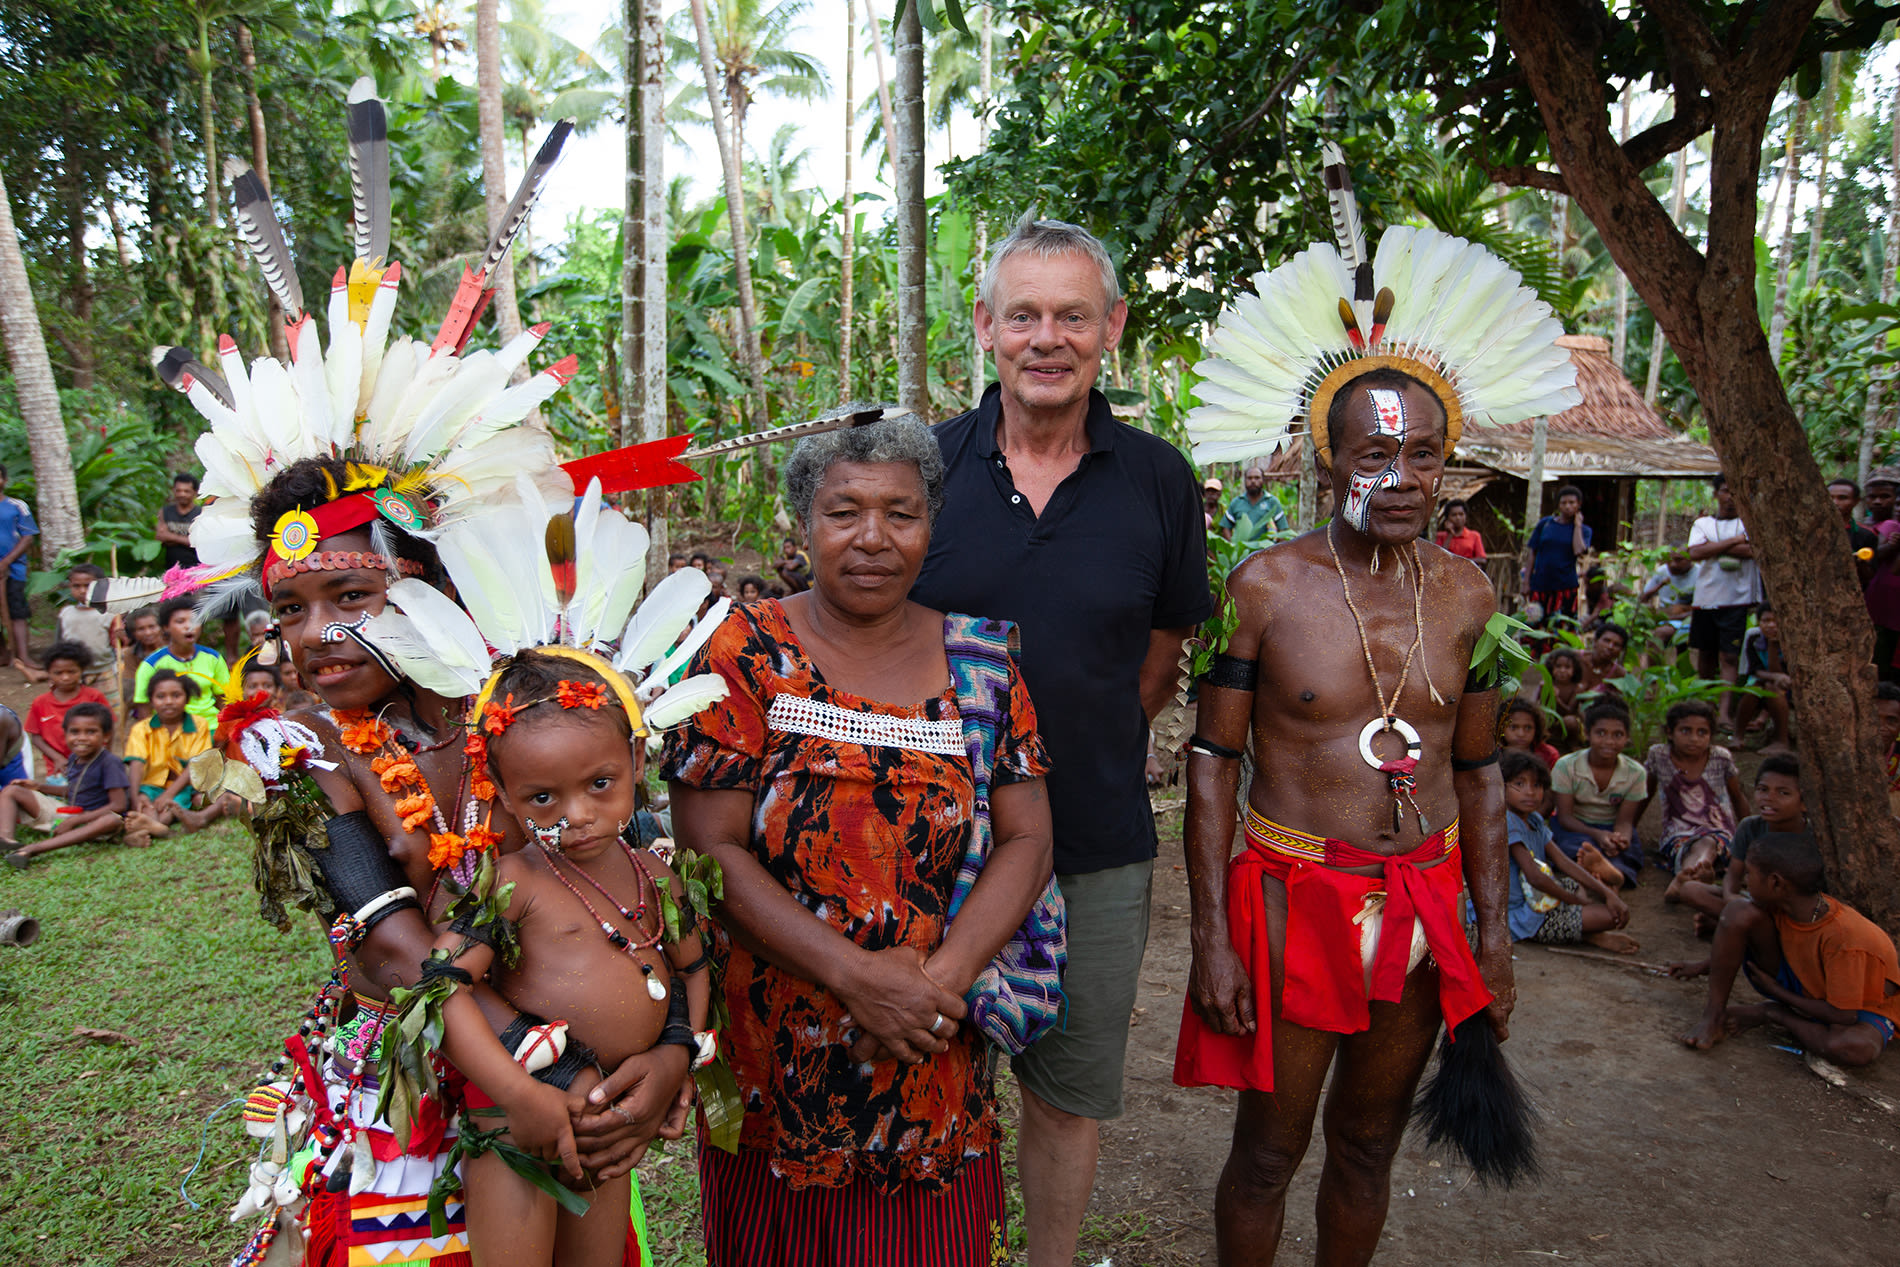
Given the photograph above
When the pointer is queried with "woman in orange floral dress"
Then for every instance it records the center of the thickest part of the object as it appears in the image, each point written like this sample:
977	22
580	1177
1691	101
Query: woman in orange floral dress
834	788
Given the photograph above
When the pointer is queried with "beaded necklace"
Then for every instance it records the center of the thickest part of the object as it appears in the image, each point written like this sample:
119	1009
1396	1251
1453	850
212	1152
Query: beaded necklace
395	765
630	946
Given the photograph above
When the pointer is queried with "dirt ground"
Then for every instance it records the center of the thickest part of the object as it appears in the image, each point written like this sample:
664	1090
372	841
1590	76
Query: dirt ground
1653	1153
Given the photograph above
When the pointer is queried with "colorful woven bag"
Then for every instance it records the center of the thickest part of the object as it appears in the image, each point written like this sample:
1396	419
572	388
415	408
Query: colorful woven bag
1018	998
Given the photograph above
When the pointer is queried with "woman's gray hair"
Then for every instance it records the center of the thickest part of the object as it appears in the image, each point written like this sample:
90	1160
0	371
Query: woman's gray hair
1046	239
905	439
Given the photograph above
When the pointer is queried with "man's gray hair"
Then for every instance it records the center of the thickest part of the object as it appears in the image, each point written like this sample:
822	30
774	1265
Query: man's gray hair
904	439
1046	239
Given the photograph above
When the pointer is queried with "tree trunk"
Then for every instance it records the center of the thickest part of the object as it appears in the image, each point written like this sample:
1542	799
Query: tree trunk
495	191
735	213
1877	383
986	49
1701	301
912	228
214	190
643	271
848	238
1830	101
1656	345
1784	250
1619	349
260	163
883	87
57	501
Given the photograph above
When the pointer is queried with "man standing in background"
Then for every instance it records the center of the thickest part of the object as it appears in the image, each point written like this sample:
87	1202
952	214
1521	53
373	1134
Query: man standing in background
1727	587
1089	535
1254	512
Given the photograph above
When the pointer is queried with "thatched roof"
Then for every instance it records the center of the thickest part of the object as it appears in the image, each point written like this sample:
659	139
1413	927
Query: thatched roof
1611	431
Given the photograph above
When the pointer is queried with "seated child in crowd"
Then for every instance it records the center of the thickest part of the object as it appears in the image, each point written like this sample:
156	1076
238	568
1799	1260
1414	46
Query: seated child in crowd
1552	899
1605	661
145	637
1887	710
66	664
1598	793
79	622
1764	664
1564	667
751	587
1521	729
96	785
158	750
182	654
12	746
567	773
1702	794
1778	807
1832	976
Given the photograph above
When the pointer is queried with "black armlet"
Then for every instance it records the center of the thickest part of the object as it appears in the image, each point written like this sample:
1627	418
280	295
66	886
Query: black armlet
1474	685
357	868
485	932
1212	749
1464	767
678	1031
1232	674
694	966
560	1075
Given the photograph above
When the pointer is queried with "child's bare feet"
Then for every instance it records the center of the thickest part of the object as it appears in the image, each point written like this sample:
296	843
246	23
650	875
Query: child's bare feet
1674	892
1609	939
1591	859
1685	969
1704	925
1743	1016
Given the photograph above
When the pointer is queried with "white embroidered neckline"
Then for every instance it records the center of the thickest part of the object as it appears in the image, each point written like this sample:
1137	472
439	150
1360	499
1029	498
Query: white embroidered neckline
802	715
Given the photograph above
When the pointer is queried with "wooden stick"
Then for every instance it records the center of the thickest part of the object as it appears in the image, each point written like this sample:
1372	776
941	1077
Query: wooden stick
1605	957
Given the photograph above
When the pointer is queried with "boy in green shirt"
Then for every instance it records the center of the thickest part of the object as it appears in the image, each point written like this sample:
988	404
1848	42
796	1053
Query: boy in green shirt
182	654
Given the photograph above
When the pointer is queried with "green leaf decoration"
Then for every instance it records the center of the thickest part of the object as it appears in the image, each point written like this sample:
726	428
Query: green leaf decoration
1498	654
719	1100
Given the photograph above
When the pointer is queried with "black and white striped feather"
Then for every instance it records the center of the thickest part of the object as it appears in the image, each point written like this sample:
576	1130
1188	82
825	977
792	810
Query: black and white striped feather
526	195
257	225
174	364
852	414
1347	231
369	171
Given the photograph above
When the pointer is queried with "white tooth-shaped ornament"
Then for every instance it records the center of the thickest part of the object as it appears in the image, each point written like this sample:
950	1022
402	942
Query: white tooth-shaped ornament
279	1139
257	1194
655	990
362	1164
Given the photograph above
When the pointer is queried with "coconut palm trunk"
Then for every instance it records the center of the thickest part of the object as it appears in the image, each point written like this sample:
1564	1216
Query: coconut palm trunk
57	506
718	104
643	265
850	211
912	234
495	162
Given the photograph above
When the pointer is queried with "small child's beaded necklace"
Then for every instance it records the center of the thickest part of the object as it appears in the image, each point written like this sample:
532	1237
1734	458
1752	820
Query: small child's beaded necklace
630	946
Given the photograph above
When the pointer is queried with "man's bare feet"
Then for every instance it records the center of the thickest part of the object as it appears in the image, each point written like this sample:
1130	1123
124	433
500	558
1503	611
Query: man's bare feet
1709	1031
1609	939
1685	969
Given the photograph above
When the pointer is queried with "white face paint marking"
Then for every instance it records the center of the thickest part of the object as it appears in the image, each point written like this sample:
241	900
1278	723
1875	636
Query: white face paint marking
1388	419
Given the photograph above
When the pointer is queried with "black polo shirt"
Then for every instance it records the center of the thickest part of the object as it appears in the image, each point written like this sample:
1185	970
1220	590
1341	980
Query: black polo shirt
1119	550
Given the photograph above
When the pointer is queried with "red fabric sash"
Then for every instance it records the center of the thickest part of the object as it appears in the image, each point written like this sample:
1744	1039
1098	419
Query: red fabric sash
1324	984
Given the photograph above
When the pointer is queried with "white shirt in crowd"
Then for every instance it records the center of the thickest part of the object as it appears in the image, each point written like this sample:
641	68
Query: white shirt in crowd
1716	585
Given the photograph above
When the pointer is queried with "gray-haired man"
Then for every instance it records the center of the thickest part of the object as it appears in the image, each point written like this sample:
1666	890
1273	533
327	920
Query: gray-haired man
1088	534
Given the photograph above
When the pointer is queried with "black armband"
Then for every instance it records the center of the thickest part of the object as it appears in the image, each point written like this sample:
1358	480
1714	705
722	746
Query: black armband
488	932
1476	685
1208	747
678	1031
357	868
434	968
560	1075
1232	674
1465	767
694	966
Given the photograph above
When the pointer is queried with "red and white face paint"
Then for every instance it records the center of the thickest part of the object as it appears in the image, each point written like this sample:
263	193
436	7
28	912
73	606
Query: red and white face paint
1388	419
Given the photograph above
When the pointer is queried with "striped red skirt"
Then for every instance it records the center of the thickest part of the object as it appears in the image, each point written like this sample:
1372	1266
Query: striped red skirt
752	1218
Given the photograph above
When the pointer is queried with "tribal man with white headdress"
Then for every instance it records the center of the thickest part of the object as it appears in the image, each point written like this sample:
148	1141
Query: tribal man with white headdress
1336	939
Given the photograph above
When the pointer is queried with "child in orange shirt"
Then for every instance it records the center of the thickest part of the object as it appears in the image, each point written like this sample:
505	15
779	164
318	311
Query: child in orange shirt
1831	976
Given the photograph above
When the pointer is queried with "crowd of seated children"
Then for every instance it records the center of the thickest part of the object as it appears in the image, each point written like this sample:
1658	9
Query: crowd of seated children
88	804
1599	790
1702	795
1765	664
65	664
1551	898
1830	976
1604	663
158	753
182	654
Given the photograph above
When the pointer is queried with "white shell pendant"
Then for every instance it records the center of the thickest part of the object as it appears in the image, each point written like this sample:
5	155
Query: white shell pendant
655	990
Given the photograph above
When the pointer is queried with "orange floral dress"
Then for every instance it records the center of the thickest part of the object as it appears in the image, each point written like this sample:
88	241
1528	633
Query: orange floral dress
862	811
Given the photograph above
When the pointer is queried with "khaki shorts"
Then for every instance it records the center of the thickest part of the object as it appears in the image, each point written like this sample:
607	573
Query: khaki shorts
45	814
1077	1066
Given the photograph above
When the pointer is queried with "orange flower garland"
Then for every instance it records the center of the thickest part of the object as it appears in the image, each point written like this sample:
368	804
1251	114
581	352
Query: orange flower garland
581	694
400	776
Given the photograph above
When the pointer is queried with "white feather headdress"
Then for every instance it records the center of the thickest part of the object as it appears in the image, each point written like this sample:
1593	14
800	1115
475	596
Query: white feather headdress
1442	309
431	421
565	582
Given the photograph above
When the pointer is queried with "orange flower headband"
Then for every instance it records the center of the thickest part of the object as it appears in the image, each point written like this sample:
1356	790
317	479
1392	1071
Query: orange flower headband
492	717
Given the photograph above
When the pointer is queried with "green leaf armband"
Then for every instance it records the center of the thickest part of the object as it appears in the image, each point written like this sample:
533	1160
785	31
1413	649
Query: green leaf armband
1498	654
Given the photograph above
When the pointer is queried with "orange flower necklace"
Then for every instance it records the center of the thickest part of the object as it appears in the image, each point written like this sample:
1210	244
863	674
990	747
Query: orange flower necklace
395	766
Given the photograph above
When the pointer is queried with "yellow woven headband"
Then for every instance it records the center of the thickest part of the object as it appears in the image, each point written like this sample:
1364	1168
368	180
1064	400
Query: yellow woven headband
615	681
1342	376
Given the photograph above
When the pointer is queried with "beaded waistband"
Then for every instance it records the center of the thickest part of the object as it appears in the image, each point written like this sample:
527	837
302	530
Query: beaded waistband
1262	830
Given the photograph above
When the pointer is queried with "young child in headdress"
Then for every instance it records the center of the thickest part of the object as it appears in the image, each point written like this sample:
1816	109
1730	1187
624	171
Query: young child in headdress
586	910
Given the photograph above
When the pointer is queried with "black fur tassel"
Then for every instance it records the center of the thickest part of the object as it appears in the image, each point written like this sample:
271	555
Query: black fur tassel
1473	1103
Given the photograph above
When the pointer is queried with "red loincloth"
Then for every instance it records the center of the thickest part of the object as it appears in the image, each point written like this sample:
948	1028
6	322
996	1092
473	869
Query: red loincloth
1325	979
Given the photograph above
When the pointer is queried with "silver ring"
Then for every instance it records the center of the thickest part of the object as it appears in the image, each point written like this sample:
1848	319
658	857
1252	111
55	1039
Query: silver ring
621	1113
937	1024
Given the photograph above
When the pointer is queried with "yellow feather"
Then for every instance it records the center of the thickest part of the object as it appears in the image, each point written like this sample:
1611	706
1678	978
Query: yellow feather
363	475
330	485
363	283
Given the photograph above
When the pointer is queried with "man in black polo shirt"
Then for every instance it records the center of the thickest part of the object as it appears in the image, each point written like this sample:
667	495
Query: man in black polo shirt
1089	535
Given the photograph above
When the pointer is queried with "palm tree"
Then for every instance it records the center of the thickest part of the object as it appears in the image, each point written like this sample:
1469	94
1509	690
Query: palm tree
912	226
488	95
751	56
547	76
38	396
850	209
